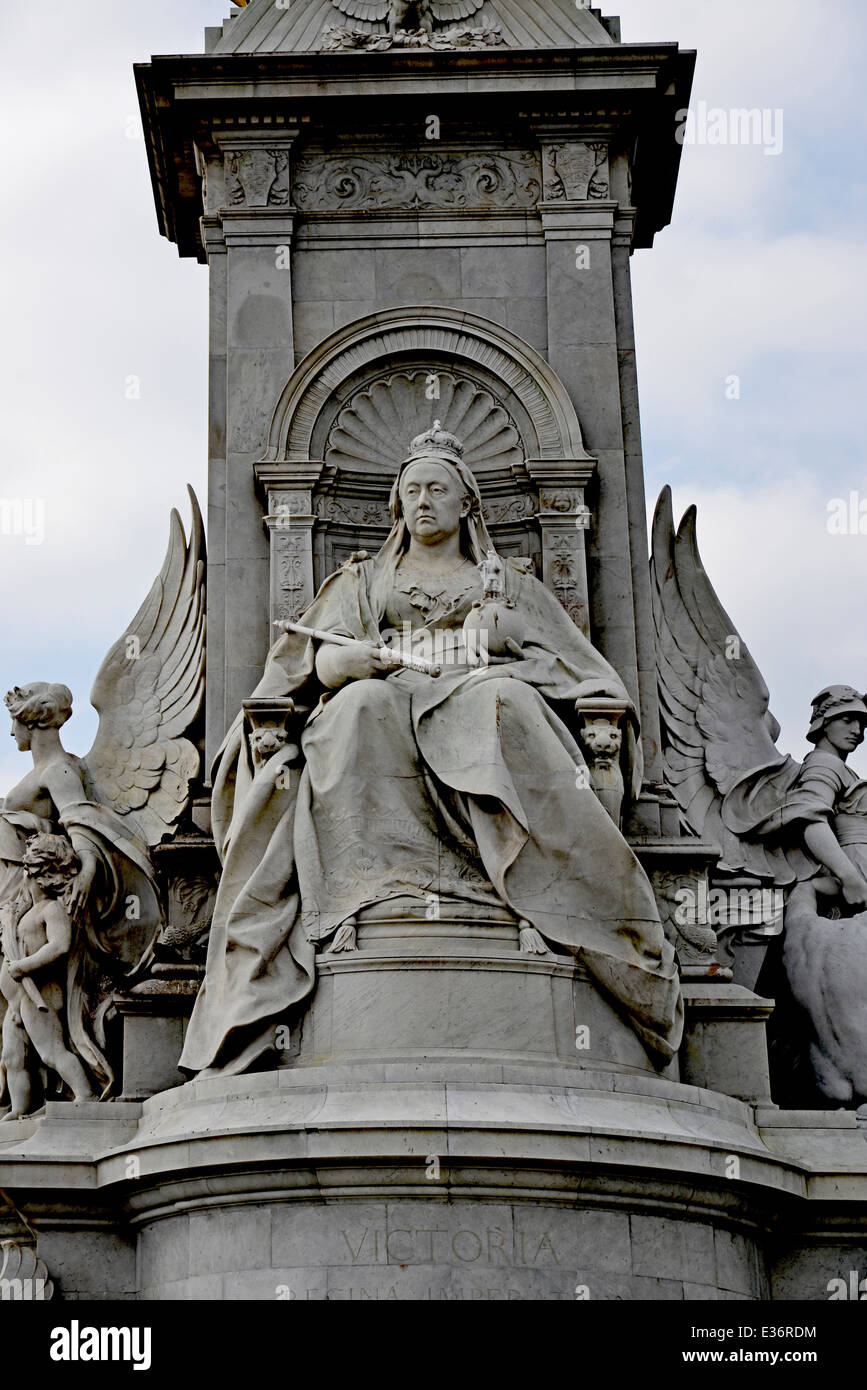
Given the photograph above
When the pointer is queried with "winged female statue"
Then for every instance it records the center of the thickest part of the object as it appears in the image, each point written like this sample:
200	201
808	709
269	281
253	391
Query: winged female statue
124	797
798	827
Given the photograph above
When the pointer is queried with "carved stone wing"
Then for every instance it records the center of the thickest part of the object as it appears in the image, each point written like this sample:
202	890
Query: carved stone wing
450	11
373	11
713	701
148	692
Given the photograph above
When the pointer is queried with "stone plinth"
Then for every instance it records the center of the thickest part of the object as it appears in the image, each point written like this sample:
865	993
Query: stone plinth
459	987
725	1046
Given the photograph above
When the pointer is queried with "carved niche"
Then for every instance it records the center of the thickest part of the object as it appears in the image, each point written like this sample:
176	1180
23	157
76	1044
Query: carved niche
343	422
375	426
367	442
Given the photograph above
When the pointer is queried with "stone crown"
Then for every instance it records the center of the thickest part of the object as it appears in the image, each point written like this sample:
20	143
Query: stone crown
436	441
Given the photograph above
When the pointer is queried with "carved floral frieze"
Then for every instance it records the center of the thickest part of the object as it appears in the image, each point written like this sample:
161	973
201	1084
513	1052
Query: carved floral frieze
356	513
567	575
513	509
511	179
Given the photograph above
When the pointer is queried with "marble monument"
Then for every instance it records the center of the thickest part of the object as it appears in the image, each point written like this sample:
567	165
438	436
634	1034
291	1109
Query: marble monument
451	926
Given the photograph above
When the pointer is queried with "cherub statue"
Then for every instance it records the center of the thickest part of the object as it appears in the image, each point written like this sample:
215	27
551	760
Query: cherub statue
37	937
127	794
796	827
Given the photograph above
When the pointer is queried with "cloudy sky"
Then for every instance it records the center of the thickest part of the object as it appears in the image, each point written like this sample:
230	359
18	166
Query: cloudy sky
760	278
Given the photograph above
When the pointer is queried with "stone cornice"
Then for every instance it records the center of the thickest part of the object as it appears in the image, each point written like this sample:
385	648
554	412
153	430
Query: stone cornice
617	88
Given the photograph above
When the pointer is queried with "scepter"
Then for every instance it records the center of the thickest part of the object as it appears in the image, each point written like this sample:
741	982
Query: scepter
387	655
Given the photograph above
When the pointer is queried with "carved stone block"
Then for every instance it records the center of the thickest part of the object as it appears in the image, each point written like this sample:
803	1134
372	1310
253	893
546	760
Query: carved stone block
257	178
417	179
576	173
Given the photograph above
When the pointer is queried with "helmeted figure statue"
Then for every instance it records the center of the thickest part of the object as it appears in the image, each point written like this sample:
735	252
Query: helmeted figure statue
113	805
799	827
392	784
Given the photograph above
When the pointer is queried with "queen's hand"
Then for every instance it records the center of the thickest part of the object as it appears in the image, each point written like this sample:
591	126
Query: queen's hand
357	662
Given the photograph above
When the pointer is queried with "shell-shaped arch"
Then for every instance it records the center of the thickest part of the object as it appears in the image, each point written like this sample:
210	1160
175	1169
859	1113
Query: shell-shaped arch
375	428
456	338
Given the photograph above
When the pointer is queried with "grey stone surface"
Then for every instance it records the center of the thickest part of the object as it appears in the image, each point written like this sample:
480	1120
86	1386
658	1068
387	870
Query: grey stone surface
481	1101
795	831
317	1183
726	1046
263	28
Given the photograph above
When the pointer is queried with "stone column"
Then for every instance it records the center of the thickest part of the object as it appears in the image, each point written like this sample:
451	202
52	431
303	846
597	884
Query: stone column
289	522
578	221
564	519
216	713
250	224
586	222
644	630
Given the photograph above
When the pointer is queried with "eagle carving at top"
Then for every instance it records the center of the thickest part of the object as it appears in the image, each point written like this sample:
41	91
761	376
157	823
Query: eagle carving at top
411	23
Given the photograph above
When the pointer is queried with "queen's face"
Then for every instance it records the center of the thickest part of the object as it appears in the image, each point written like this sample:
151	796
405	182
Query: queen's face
845	733
433	500
21	735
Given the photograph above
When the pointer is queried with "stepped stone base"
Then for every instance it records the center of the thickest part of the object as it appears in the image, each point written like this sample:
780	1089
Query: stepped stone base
438	1135
462	1181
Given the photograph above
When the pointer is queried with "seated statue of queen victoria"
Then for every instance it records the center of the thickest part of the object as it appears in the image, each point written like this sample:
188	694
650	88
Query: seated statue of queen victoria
470	786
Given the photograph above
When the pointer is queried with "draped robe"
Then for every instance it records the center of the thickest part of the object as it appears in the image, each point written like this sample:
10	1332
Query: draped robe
472	785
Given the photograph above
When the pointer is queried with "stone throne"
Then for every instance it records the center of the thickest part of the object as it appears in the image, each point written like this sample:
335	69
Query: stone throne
338	435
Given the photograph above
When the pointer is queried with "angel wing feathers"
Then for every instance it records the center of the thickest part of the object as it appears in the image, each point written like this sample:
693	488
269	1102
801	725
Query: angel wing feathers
149	690
713	700
449	11
375	11
372	11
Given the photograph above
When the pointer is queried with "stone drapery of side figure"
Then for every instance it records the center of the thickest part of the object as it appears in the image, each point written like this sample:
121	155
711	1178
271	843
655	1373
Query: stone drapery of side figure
470	786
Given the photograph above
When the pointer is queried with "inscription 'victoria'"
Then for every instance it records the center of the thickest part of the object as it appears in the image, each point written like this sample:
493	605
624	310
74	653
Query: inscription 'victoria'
436	1245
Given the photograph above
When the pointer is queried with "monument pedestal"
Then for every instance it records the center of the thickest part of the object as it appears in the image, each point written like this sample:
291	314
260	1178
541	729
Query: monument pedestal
439	1136
454	1180
458	987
